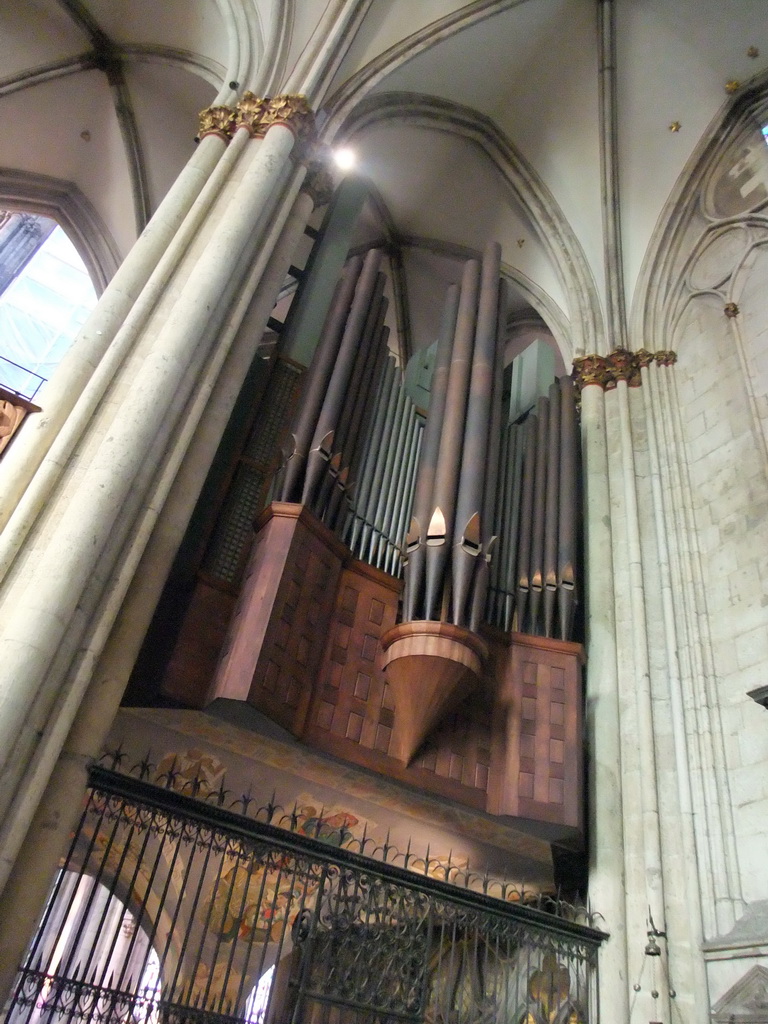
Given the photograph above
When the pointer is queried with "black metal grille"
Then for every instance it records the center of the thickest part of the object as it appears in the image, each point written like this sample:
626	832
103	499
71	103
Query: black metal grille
169	910
233	534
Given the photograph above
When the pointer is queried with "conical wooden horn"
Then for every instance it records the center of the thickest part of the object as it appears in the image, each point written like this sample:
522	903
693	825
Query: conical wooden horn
431	667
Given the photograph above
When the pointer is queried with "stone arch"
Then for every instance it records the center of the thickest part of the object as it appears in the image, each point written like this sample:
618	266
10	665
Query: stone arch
701	293
586	329
66	204
675	239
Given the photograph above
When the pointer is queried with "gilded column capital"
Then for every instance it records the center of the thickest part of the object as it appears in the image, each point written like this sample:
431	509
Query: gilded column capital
295	113
621	364
217	121
250	113
666	358
258	114
590	370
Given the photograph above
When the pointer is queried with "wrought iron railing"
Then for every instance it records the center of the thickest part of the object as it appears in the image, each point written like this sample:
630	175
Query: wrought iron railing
13	374
172	908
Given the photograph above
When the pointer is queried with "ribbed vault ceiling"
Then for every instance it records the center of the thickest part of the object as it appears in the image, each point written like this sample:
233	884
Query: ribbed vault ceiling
102	96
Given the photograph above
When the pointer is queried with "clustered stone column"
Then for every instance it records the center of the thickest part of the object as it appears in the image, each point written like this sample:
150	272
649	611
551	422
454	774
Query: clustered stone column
655	806
104	514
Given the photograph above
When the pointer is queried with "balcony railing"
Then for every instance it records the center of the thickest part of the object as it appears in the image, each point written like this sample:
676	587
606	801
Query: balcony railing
170	908
20	380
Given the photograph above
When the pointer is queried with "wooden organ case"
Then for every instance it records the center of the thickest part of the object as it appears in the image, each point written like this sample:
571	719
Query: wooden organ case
410	600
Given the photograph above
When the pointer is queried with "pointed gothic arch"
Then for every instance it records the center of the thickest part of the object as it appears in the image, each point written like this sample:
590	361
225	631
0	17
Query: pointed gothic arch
65	203
554	232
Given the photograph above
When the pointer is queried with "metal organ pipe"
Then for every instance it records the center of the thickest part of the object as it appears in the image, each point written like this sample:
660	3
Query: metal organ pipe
440	526
513	487
341	504
489	532
393	443
361	423
316	384
364	482
551	516
534	583
327	421
490	510
406	504
376	474
498	563
468	528
362	369
395	494
526	520
430	449
569	507
539	506
351	410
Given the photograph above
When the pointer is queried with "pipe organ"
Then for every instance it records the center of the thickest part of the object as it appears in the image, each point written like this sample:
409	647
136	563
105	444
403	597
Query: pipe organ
410	600
532	585
354	446
490	507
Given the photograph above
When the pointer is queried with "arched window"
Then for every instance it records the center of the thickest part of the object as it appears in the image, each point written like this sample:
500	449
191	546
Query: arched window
91	938
46	295
258	1001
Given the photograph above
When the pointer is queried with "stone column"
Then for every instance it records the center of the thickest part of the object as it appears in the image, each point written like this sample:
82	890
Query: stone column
604	779
59	807
76	563
161	238
677	869
685	914
114	502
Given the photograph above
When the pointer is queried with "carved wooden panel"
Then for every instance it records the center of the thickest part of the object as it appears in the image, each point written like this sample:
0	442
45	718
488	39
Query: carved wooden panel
460	748
278	633
353	712
193	662
540	746
304	647
351	702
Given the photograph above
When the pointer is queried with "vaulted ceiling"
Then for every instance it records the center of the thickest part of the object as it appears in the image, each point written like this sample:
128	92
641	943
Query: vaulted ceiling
472	120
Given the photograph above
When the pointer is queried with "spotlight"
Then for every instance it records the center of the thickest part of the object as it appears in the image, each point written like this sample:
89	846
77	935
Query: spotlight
345	159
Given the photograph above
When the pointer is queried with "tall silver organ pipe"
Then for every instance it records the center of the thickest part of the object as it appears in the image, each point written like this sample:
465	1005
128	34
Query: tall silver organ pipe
362	482
476	465
485	512
362	421
570	507
380	505
323	441
404	512
539	510
492	488
377	468
551	508
534	588
316	383
495	596
443	504
512	487
430	448
524	544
